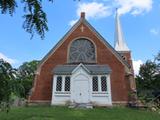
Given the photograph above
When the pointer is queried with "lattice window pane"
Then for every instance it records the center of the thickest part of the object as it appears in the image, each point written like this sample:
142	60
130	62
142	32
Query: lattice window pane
103	83
67	83
59	84
95	84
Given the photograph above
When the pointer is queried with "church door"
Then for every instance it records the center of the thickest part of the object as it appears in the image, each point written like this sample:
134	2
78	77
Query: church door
81	91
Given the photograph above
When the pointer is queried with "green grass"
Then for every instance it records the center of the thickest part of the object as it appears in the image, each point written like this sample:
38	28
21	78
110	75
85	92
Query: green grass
64	113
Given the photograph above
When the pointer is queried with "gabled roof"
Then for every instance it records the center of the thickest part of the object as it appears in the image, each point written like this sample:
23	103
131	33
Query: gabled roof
118	55
58	44
84	21
81	66
91	69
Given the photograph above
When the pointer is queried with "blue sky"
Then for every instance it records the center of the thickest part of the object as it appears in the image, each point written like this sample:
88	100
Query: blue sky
140	20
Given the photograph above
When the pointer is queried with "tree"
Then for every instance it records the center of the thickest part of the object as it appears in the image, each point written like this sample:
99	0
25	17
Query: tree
15	82
26	74
146	75
148	80
35	19
8	84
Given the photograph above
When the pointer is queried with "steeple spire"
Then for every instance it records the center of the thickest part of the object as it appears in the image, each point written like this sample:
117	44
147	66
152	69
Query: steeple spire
120	44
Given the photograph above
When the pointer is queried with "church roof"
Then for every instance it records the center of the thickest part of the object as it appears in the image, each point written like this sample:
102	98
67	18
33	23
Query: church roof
82	20
92	69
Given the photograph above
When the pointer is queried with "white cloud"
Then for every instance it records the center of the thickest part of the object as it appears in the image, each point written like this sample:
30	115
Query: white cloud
136	66
155	31
72	22
134	7
94	10
11	61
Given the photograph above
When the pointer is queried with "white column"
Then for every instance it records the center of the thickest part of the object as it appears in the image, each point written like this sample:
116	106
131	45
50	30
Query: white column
63	83
53	88
109	89
99	84
71	88
90	88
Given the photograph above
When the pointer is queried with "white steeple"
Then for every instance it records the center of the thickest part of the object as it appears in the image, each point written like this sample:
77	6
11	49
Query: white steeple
120	44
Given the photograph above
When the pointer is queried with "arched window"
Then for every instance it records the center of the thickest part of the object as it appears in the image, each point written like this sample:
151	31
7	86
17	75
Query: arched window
82	51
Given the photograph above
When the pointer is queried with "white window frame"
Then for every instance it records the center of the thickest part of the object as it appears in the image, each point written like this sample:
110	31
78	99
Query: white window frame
106	83
57	82
92	83
63	84
99	84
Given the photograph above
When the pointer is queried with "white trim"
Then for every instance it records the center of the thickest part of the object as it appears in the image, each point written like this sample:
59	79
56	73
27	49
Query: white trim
119	102
99	84
63	95
80	65
109	88
63	83
100	95
54	87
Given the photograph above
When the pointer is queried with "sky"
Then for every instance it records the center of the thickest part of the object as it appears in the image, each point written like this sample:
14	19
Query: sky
140	20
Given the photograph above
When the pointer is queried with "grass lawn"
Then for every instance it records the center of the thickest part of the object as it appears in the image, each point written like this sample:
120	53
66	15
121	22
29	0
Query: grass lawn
64	113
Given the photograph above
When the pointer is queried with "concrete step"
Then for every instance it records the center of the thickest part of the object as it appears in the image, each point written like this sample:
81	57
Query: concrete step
81	105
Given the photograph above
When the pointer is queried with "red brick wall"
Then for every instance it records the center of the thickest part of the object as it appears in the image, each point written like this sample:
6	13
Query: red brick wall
43	83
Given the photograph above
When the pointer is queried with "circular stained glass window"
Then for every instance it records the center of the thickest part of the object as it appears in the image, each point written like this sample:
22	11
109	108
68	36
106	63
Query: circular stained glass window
82	51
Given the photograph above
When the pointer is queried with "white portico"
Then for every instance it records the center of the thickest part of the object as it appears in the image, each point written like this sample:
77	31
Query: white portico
81	84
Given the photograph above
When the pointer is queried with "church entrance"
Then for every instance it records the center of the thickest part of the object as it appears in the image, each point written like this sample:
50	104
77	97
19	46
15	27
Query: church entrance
81	91
82	84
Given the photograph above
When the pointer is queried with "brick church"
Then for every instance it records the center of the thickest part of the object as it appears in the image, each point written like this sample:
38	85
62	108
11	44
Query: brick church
84	68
